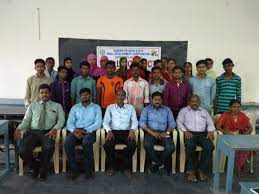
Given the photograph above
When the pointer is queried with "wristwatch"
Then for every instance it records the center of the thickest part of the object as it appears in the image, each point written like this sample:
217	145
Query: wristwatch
168	133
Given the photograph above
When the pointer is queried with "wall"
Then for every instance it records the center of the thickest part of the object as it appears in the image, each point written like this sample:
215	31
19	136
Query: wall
214	28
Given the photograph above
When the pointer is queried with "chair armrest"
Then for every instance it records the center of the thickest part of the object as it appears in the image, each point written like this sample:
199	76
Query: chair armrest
64	136
98	134
103	132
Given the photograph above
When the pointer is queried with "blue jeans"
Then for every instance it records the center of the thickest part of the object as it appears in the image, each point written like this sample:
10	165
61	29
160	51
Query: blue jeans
87	142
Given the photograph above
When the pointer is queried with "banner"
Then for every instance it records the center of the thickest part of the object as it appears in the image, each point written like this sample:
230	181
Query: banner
115	53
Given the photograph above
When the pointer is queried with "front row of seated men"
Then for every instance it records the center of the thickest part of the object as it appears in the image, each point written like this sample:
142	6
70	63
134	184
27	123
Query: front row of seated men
44	118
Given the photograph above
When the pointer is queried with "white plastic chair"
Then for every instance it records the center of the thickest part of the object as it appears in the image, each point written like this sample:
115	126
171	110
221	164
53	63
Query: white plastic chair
117	147
157	148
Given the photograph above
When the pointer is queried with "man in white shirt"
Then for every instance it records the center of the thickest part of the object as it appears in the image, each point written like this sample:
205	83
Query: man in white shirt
120	122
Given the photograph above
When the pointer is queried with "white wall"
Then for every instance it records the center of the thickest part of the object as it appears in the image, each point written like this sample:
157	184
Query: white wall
214	28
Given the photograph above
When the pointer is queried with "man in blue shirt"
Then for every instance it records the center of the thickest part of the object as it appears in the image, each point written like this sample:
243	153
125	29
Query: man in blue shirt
120	122
158	123
83	120
203	86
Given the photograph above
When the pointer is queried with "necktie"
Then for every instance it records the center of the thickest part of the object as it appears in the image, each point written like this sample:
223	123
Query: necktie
42	120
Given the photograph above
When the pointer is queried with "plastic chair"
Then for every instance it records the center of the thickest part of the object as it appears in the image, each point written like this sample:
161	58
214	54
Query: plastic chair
118	147
38	149
198	149
157	148
96	150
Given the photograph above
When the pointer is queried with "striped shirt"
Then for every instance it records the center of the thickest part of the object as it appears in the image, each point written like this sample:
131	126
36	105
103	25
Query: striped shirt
226	91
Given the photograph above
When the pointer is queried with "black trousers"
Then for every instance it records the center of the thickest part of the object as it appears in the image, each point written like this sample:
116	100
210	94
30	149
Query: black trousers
200	139
31	139
167	143
120	137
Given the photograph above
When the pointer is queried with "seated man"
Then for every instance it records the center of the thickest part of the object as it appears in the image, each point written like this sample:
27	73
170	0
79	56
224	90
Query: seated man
40	125
120	121
158	123
83	120
198	128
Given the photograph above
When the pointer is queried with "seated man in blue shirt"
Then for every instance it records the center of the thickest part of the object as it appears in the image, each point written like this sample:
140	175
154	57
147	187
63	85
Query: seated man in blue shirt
158	123
83	120
120	122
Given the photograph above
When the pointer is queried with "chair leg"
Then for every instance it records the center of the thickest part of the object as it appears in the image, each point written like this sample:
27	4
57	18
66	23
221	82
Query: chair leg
64	156
56	153
135	156
103	154
182	151
174	154
20	166
142	151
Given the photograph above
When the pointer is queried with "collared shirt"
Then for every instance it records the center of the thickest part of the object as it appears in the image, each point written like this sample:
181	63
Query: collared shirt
88	118
32	88
156	88
52	75
206	89
78	83
196	121
226	91
176	95
60	93
157	119
55	118
137	93
120	118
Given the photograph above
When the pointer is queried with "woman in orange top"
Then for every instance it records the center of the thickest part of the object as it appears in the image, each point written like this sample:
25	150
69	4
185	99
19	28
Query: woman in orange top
232	123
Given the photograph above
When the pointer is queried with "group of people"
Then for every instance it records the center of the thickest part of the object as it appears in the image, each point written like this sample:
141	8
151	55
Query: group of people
123	100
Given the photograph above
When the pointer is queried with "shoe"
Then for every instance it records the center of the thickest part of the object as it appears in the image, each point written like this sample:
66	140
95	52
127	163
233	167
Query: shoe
191	177
73	175
128	173
43	176
162	170
153	168
35	169
202	176
89	174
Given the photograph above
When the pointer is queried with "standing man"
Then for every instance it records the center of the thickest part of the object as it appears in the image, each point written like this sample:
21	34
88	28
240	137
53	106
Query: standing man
82	81
39	128
176	92
137	90
203	86
60	90
49	71
83	120
228	87
156	84
33	82
158	123
120	122
107	86
198	128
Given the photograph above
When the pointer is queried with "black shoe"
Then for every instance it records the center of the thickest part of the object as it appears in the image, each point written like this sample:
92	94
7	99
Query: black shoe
162	170
35	169
73	175
43	176
89	174
153	168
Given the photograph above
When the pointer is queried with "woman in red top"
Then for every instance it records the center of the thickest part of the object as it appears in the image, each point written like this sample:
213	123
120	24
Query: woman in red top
232	123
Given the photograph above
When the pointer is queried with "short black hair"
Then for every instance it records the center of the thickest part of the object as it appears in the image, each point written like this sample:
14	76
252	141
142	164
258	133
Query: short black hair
178	67
157	61
44	86
39	61
84	63
83	90
156	68
60	68
134	64
110	62
50	59
227	61
194	96
121	90
164	58
201	62
157	94
234	101
67	59
143	59
209	59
